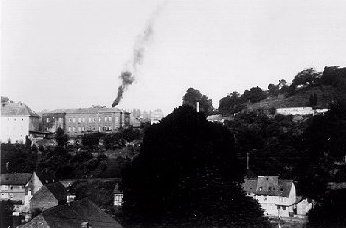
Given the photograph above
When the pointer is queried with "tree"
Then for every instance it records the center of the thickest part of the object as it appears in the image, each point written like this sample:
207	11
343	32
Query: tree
61	138
273	90
282	83
331	212
313	100
4	99
28	142
326	134
306	77
324	141
255	94
283	87
192	96
130	134
273	143
90	140
184	161
230	104
19	158
334	76
6	210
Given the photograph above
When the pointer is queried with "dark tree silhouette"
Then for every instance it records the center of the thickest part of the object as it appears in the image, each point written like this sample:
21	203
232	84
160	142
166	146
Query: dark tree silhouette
253	95
306	77
273	90
325	142
187	174
193	95
331	212
61	138
230	104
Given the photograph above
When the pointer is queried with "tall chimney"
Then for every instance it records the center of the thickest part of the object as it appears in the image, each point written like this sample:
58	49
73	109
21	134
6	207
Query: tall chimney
197	106
247	161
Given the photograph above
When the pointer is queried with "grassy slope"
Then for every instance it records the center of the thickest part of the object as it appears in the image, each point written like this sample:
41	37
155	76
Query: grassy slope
325	94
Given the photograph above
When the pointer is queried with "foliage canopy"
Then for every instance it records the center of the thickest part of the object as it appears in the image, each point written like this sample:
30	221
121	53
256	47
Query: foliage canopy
187	173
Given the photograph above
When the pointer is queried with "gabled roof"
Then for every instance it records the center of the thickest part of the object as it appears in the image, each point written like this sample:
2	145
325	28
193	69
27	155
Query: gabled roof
91	110
285	186
57	189
43	177
73	215
16	109
268	185
15	178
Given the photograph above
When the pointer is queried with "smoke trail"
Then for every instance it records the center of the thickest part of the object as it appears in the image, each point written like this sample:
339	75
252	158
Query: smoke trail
127	77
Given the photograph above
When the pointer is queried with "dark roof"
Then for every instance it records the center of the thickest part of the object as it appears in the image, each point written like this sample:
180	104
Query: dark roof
15	178
58	190
116	189
250	185
16	109
268	185
91	110
70	216
285	186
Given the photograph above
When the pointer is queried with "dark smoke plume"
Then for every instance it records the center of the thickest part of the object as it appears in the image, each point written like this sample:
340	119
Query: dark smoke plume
127	77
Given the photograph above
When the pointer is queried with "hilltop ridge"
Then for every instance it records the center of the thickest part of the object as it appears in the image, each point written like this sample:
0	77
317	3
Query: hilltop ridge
308	89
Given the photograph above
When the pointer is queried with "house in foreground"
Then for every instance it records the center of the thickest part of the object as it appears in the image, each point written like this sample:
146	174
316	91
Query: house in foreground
12	186
277	197
81	213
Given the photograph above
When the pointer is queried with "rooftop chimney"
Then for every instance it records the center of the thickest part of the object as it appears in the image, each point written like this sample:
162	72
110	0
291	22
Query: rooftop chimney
247	161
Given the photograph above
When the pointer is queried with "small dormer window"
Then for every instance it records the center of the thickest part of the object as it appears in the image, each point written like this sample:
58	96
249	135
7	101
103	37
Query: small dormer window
281	189
270	188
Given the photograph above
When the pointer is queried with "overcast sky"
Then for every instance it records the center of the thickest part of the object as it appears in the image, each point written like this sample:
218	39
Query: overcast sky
69	54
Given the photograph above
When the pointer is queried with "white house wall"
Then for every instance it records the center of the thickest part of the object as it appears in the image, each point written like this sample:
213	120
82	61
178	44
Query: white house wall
14	128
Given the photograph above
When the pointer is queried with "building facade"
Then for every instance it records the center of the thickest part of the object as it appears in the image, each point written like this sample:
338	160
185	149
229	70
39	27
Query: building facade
12	186
156	116
277	197
17	120
302	111
83	120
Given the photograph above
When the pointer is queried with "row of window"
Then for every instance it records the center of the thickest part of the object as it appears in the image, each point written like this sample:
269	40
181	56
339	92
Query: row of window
15	119
6	187
91	120
60	119
270	188
5	195
80	129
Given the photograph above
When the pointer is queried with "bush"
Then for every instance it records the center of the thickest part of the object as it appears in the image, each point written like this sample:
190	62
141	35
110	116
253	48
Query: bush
90	140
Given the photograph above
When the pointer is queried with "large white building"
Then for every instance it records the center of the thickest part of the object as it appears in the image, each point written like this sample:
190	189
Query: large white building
302	111
17	120
156	116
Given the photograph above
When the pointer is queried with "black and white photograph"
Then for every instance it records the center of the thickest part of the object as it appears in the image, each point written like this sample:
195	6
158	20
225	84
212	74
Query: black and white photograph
172	113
